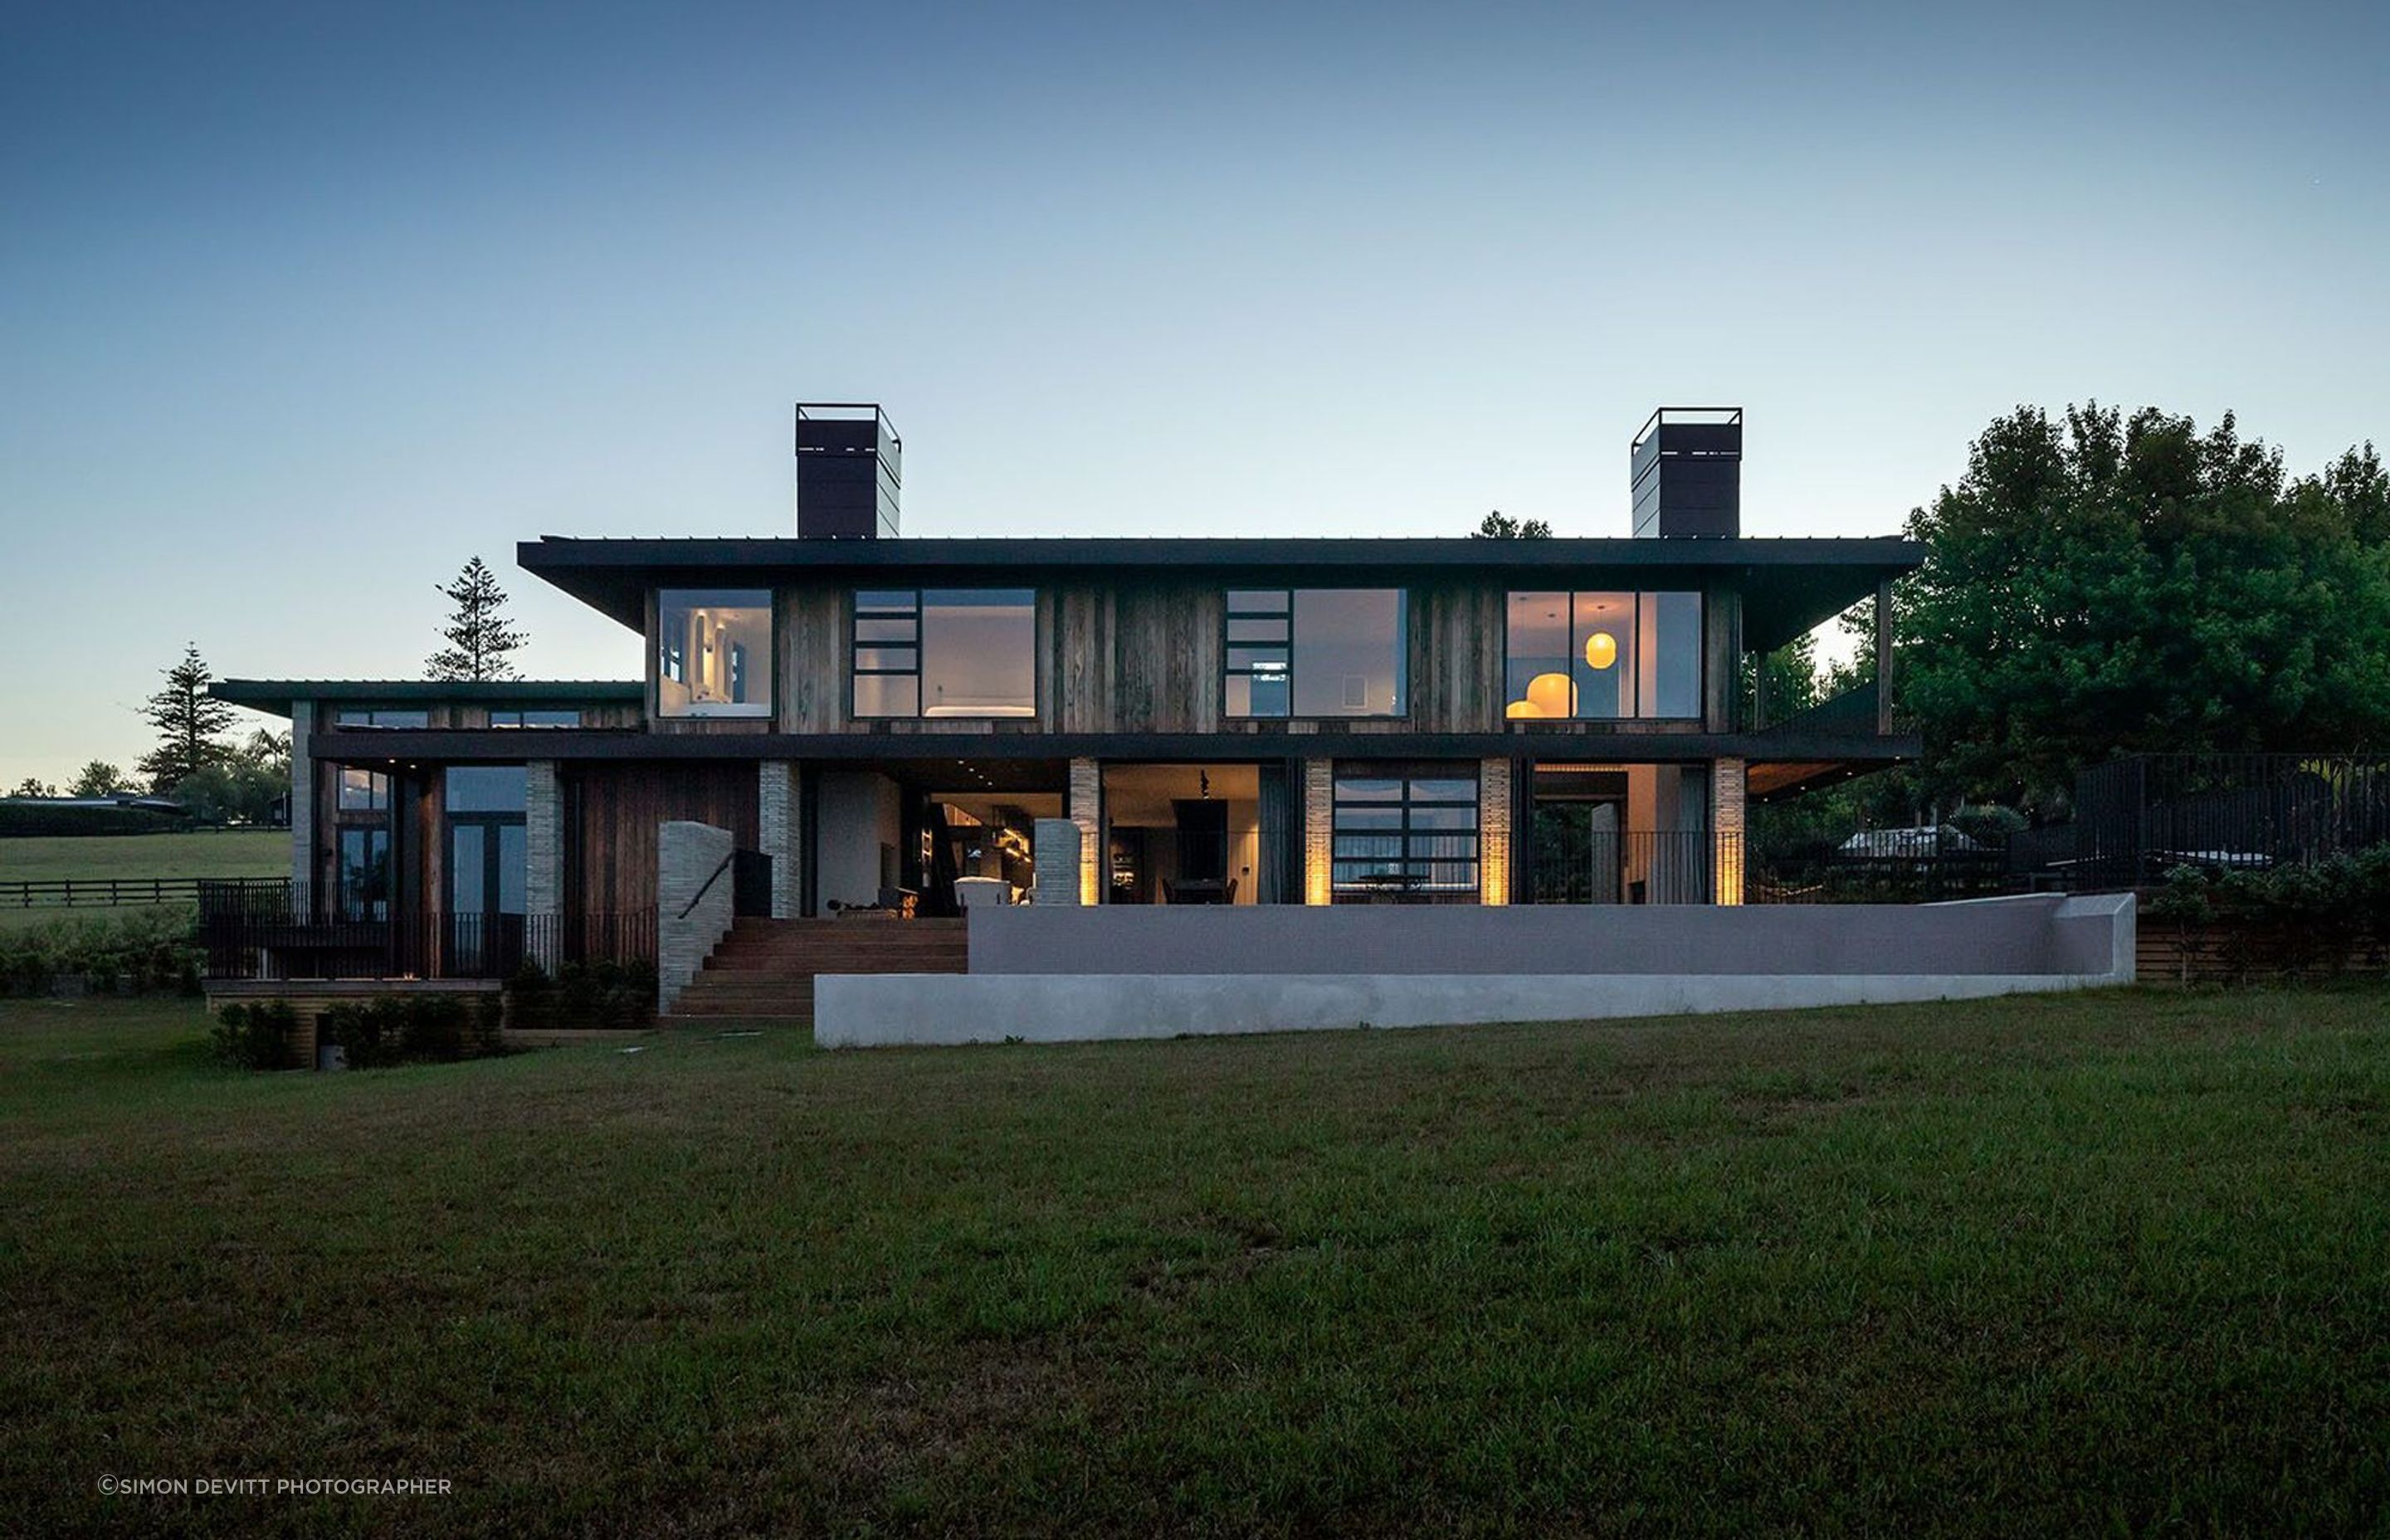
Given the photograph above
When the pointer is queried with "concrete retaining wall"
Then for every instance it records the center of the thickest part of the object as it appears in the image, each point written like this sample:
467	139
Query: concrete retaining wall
693	903
1447	966
2044	933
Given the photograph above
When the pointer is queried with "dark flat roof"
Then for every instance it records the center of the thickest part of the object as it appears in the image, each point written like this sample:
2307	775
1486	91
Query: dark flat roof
275	696
1797	583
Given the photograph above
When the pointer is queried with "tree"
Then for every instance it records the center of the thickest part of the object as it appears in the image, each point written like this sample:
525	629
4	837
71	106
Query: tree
187	720
31	786
243	786
479	636
1498	525
2105	586
99	779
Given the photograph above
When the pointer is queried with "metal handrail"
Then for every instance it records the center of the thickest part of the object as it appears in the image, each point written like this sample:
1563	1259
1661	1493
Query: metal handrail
707	886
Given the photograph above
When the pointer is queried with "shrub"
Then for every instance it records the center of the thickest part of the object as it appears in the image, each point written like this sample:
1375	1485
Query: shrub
252	1036
2298	916
146	952
602	994
404	1029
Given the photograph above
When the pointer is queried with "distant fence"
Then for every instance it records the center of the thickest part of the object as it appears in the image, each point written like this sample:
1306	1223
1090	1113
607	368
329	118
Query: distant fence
271	931
102	892
2138	819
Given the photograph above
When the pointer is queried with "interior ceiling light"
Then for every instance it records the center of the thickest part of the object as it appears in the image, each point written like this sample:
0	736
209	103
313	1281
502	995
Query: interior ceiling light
1552	695
1602	650
1517	709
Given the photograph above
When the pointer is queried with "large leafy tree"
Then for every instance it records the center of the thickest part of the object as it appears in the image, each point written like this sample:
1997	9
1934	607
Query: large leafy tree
99	779
2100	584
1498	525
187	720
479	636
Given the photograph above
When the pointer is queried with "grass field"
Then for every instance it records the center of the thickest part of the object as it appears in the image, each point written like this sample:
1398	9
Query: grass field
217	853
2116	1263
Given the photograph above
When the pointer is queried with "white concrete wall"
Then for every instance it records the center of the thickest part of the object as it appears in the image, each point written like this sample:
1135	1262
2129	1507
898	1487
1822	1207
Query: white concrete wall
693	903
886	1010
859	811
1033	977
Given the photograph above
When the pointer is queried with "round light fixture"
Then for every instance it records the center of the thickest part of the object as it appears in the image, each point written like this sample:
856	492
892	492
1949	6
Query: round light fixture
1602	650
1523	708
1552	694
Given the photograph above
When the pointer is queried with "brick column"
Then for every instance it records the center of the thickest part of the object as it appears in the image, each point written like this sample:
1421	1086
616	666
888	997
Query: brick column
778	790
1086	810
1494	831
544	860
1318	828
1726	826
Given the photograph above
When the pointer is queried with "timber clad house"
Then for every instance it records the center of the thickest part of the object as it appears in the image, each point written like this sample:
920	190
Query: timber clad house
896	728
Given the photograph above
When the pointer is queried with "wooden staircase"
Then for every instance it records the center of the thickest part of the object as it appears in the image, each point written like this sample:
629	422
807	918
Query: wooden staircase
764	969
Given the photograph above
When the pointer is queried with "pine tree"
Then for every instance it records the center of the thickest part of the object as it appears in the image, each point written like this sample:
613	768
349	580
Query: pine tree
478	636
187	720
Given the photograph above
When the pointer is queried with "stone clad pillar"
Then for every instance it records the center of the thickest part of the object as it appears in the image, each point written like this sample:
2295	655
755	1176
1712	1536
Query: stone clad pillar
302	798
1726	826
779	791
1058	855
1086	810
544	861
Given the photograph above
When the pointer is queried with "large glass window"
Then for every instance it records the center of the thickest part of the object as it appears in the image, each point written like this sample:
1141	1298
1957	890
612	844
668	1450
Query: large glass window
487	788
1604	655
955	652
1401	837
363	873
713	652
534	717
1316	652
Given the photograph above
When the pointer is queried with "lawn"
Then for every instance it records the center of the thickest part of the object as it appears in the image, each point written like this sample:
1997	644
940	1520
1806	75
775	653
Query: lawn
214	853
2114	1263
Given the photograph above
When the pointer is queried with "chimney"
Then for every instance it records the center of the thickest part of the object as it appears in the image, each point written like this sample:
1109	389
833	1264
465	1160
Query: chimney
1688	474
850	470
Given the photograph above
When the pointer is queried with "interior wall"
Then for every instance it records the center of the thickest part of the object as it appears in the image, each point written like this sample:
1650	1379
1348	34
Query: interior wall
861	811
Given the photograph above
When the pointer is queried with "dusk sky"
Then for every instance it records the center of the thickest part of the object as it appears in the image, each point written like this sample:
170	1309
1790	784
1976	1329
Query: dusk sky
300	307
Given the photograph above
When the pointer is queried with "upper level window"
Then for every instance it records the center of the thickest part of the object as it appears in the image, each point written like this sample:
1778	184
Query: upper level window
413	719
535	718
713	652
364	790
1605	656
1316	652
945	652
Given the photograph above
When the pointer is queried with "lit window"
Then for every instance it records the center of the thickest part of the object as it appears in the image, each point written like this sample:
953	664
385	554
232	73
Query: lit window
713	652
1605	656
1316	652
945	652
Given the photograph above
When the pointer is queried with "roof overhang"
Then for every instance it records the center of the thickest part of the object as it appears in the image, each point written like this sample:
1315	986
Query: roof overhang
1789	586
276	697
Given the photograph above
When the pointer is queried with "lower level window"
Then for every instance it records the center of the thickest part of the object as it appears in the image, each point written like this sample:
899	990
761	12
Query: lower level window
1405	836
364	876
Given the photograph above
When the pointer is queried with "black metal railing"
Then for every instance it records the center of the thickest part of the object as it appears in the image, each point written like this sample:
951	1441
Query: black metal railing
2138	819
253	933
1575	861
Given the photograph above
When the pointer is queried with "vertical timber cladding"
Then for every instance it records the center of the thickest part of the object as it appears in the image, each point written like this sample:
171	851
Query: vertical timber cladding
620	803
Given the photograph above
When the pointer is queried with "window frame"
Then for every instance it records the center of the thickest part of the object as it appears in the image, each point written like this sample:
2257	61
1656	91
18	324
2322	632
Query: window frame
857	614
1406	828
522	715
1634	678
341	715
1229	614
657	675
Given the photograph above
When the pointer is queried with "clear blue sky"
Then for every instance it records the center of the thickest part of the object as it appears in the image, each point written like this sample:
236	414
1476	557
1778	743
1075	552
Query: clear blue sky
301	305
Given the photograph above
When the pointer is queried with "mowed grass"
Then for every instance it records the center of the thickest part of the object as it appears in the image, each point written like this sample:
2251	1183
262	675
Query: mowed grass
211	852
2116	1263
214	853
